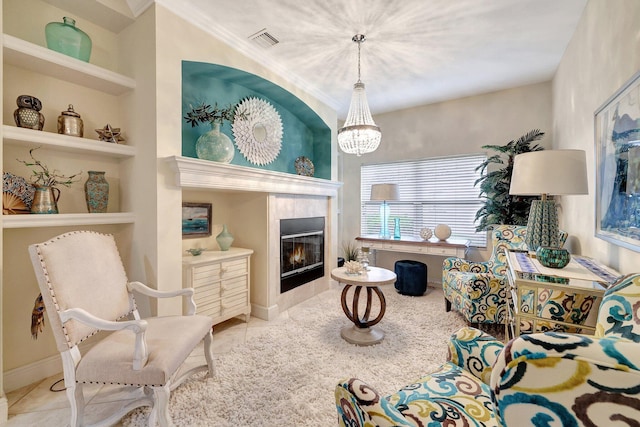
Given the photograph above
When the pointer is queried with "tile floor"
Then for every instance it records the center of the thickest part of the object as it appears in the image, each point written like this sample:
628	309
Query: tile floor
36	405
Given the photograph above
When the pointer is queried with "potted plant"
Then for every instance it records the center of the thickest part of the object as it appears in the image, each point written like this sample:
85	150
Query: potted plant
212	145
46	183
500	207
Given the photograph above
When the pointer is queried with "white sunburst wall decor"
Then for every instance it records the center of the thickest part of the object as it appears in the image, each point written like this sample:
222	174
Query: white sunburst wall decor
257	129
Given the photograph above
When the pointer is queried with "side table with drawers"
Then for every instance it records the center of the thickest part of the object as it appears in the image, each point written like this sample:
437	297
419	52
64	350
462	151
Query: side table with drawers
221	280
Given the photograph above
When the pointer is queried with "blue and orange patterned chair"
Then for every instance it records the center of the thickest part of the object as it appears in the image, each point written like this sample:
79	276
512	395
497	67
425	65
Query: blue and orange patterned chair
540	379
478	290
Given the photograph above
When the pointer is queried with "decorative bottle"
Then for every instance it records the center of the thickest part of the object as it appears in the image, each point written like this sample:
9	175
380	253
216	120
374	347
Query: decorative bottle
66	38
396	229
96	191
224	239
215	145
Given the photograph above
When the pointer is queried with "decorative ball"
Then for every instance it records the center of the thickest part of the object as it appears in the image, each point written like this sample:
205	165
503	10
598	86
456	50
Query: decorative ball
442	231
426	233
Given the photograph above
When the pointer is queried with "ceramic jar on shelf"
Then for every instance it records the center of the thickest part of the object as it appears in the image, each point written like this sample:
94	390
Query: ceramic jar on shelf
96	191
224	239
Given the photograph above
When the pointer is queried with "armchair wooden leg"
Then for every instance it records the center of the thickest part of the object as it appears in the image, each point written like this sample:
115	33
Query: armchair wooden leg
447	305
208	354
160	413
76	399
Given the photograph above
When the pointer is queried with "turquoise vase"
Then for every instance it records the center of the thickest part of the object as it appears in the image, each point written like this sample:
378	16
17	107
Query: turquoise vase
66	38
224	239
396	229
96	191
215	145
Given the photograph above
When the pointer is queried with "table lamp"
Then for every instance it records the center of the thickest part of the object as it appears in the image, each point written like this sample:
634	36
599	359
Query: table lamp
544	173
384	193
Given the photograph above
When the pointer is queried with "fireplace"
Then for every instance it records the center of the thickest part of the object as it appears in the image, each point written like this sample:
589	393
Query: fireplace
301	251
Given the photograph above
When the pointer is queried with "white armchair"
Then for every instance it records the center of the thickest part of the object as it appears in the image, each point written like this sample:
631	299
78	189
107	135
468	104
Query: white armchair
85	290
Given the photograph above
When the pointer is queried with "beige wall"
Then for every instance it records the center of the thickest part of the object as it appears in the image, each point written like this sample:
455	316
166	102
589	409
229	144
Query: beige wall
460	126
601	57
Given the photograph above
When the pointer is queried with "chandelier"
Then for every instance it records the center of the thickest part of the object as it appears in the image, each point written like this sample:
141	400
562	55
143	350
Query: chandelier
359	135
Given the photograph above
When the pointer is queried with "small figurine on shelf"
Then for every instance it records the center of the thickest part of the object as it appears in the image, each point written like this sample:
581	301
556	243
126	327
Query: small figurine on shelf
28	114
110	134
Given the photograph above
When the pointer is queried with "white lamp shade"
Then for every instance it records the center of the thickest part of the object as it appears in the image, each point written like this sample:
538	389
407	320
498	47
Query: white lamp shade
385	192
550	172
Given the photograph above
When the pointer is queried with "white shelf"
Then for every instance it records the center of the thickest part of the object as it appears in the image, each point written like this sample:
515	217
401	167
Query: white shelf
28	137
58	220
54	64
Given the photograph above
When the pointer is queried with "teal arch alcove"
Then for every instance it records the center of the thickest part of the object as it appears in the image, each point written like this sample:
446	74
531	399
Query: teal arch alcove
304	132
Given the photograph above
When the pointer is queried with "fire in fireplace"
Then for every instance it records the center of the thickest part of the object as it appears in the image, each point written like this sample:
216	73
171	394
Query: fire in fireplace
301	251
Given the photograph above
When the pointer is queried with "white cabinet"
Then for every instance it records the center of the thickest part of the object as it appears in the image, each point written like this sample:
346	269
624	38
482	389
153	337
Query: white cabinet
31	57
221	282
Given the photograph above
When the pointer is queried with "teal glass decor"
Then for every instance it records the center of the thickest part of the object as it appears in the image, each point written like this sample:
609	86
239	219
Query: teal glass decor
553	257
215	145
66	38
224	239
396	229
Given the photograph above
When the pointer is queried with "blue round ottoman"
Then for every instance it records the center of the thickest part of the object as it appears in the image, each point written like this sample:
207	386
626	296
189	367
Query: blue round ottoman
412	277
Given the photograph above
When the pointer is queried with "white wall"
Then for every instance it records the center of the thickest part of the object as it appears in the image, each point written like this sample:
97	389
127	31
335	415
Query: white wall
460	126
603	55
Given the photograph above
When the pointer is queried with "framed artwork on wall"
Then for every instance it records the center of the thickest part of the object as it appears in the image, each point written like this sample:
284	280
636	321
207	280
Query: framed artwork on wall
196	220
617	138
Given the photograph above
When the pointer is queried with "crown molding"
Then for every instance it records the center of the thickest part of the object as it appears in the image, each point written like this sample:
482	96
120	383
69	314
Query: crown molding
191	14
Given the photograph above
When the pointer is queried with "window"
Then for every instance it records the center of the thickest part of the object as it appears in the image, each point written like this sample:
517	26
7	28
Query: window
432	191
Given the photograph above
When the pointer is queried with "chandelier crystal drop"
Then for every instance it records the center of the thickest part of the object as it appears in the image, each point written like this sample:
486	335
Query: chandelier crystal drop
359	135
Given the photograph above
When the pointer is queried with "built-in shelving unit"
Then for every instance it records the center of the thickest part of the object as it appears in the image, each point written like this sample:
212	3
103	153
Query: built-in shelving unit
23	54
45	61
22	136
59	220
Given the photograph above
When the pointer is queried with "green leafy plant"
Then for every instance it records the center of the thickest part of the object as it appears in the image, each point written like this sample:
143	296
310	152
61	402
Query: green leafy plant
500	207
350	251
41	175
205	113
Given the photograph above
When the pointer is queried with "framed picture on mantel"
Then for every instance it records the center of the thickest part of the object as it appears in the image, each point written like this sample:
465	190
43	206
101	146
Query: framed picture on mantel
196	220
617	137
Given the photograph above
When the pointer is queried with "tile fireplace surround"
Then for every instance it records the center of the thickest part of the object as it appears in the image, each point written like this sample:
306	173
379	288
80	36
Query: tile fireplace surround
284	196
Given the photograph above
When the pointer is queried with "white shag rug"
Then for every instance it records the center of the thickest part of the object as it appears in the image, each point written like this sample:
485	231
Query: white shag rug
287	375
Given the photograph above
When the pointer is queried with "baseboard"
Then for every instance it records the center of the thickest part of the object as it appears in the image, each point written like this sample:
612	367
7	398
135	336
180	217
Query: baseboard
37	371
265	313
4	410
28	374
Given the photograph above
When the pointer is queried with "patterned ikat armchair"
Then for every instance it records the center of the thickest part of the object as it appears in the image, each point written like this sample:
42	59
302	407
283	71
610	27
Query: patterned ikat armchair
478	290
541	379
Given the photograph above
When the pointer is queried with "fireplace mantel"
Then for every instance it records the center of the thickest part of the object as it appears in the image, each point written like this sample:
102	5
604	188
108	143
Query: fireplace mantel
196	173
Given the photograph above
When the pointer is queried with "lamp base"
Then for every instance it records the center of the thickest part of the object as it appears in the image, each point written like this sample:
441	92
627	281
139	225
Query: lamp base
542	227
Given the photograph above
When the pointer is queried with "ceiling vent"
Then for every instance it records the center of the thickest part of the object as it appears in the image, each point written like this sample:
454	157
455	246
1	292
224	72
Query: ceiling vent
263	39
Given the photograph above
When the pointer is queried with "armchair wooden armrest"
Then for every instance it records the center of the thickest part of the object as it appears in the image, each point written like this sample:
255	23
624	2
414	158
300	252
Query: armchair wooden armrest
138	327
185	292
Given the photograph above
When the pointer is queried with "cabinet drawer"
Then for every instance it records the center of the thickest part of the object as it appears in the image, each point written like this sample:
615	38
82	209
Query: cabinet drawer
206	271
212	308
233	286
208	293
443	251
235	301
233	268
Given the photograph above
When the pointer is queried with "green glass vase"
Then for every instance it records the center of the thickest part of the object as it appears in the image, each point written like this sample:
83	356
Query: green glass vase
215	145
224	239
66	38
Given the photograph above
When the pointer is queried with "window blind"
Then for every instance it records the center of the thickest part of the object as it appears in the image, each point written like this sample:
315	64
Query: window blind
432	191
